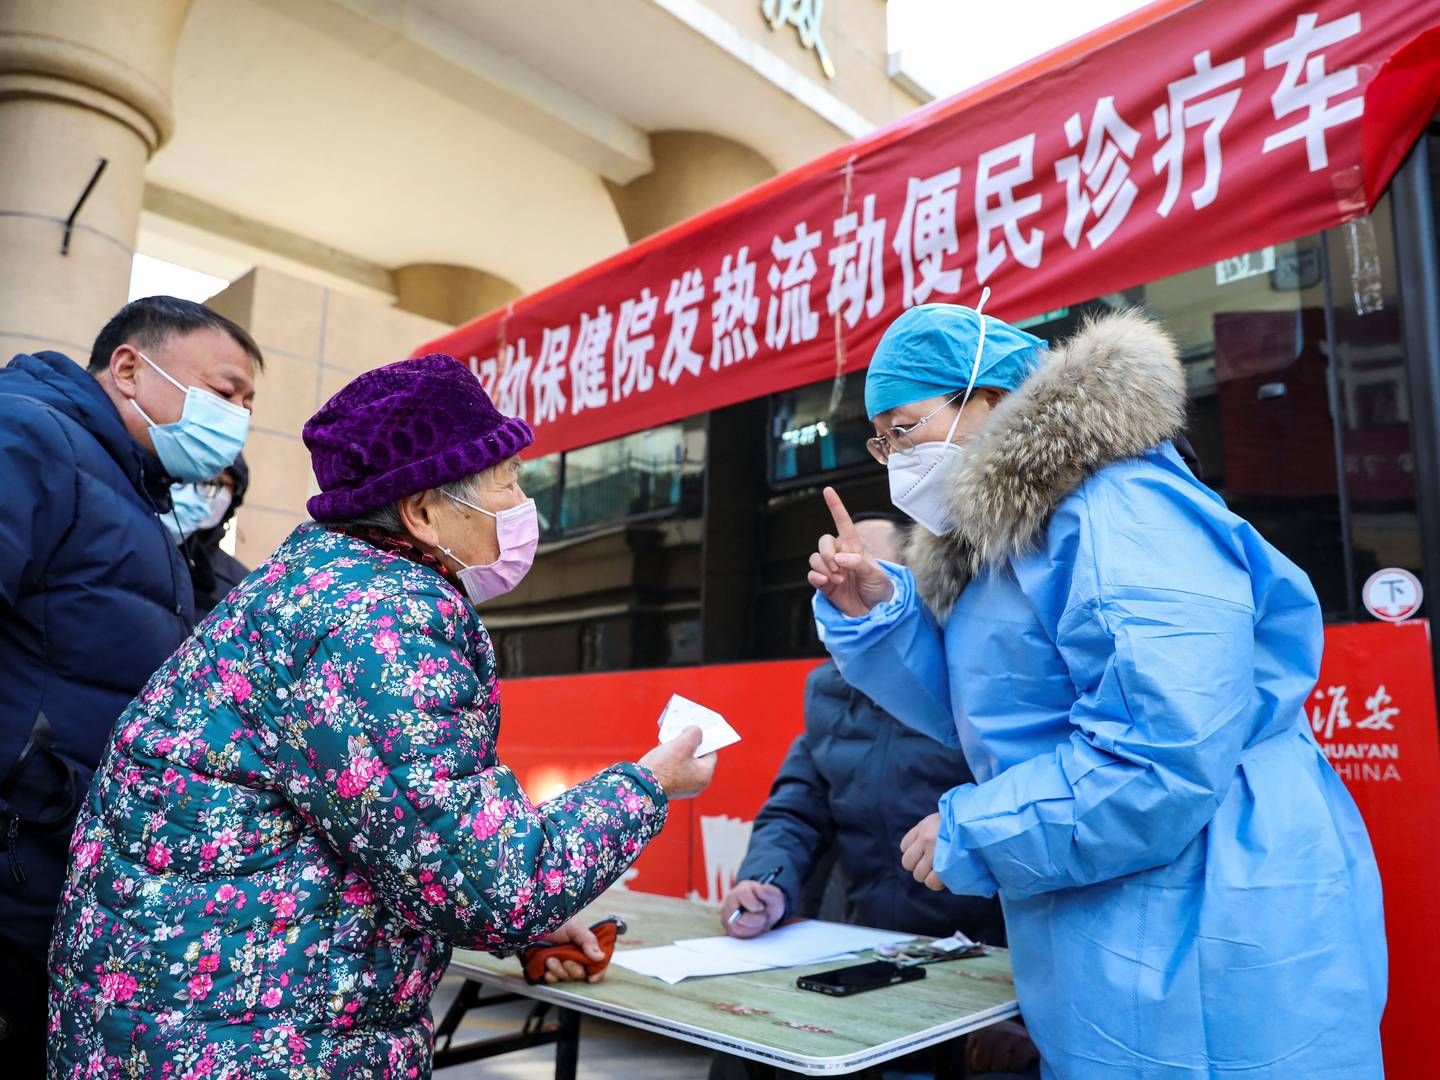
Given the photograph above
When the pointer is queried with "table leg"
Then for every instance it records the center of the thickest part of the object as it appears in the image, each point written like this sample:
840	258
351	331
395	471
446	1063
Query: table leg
760	1070
567	1044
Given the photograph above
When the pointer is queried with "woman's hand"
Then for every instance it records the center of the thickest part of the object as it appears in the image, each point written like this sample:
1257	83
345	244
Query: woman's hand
843	570
917	852
579	935
681	774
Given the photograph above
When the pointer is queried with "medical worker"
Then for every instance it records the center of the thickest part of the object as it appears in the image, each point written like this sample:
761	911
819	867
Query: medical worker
1188	887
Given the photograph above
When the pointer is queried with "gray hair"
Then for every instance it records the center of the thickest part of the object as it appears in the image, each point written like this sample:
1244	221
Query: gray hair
387	518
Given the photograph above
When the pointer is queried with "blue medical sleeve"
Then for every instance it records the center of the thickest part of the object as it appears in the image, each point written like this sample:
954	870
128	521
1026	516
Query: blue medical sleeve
895	656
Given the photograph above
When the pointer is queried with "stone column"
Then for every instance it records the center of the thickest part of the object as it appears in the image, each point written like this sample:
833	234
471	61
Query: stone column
79	81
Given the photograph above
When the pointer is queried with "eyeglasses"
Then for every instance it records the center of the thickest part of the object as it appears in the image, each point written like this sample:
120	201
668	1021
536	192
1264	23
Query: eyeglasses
897	440
211	488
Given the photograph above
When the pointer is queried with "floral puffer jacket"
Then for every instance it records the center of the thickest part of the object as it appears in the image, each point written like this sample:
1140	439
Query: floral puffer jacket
297	818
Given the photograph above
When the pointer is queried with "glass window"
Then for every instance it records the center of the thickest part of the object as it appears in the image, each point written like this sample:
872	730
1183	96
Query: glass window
541	480
808	437
647	473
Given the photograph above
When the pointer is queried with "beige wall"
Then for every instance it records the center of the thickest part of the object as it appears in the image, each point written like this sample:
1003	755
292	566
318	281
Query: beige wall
694	171
855	37
315	340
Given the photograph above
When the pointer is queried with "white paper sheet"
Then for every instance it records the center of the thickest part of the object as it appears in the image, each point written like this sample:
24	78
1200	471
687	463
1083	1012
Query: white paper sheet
671	963
788	946
681	713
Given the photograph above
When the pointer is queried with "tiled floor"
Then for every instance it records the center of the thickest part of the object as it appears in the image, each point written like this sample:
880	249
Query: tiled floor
606	1050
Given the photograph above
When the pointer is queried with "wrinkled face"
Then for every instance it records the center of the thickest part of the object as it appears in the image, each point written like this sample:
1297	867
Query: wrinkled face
929	419
436	521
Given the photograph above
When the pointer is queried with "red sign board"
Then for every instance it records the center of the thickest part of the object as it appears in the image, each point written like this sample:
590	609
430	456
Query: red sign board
1373	711
1213	129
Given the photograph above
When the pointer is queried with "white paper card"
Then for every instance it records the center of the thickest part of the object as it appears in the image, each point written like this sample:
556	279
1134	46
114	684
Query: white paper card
807	942
681	713
671	964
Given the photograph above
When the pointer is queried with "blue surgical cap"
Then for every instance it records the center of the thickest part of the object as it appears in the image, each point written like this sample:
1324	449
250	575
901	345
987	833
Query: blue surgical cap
929	351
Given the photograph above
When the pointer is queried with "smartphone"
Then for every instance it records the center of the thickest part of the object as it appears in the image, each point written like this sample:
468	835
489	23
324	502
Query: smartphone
858	978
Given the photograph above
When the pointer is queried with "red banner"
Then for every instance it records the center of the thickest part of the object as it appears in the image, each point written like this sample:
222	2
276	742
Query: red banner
1209	130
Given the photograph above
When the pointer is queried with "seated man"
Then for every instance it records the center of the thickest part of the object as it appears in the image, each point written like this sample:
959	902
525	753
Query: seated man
853	785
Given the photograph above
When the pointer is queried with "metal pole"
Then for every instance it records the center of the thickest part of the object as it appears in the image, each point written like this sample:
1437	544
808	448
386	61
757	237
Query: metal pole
1419	270
1337	427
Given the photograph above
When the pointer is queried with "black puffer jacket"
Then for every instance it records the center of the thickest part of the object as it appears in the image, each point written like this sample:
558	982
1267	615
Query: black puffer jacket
213	572
94	596
853	785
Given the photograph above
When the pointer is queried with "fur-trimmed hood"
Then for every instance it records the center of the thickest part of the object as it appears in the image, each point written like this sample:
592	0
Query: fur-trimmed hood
1112	391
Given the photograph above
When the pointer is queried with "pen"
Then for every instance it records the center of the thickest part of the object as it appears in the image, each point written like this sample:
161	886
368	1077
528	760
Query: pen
767	878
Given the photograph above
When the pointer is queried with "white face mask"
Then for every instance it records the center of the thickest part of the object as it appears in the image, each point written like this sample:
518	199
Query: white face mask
921	478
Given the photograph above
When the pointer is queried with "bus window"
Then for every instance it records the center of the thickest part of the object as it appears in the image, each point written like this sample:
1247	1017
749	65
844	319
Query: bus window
809	438
643	474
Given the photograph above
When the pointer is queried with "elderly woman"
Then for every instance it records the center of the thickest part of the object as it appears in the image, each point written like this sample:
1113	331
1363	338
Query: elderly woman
1188	887
303	809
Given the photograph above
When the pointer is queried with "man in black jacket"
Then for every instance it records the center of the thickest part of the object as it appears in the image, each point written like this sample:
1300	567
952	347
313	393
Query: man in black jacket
853	784
94	594
213	571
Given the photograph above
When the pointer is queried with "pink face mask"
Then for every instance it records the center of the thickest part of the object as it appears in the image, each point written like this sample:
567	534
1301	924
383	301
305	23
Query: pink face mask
518	531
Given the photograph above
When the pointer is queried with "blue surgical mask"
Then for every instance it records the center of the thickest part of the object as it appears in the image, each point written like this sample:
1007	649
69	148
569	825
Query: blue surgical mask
190	509
206	439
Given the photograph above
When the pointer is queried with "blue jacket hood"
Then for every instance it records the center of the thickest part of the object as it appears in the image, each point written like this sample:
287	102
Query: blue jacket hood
57	381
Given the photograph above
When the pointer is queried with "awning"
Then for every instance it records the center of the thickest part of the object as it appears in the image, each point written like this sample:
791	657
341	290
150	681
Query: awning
1182	135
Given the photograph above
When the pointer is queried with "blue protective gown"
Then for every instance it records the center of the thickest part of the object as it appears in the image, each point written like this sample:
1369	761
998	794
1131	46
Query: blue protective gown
1188	887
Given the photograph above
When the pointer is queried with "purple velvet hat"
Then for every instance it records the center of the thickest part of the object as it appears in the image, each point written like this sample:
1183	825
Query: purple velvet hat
402	429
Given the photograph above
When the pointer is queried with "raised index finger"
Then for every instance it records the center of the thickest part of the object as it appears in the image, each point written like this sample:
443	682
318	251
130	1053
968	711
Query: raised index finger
844	527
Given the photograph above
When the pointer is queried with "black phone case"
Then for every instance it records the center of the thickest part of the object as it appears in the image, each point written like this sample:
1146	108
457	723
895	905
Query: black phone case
902	975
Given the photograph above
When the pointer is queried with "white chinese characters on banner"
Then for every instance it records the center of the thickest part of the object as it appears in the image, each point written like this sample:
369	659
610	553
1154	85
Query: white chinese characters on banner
790	319
1097	180
1310	93
857	276
486	372
634	338
1189	107
549	377
733	312
588	378
997	208
926	236
682	304
514	382
1306	87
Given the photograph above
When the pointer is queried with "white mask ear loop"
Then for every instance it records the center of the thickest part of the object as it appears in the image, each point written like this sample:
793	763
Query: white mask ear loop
975	367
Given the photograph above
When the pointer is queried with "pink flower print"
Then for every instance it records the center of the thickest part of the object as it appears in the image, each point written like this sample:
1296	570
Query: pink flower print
490	817
321	580
632	802
554	879
284	904
117	986
387	643
270	998
158	857
234	682
226	893
360	893
199	986
433	893
274	573
495	692
209	962
87	854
